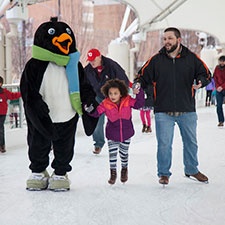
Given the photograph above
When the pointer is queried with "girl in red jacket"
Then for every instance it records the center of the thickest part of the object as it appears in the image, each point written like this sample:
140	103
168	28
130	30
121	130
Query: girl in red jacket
117	107
4	96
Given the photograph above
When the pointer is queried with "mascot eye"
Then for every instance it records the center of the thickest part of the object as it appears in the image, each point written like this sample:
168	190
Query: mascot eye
51	31
68	30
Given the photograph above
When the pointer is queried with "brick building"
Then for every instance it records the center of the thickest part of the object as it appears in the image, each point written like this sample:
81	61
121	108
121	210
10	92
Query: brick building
95	24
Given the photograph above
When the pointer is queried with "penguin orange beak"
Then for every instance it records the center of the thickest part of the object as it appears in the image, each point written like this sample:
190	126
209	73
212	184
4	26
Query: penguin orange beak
63	42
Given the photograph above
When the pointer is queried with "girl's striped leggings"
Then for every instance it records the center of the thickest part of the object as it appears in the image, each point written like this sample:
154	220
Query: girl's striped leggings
123	152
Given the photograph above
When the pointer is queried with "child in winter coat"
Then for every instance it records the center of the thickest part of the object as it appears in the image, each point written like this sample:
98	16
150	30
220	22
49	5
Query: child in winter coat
209	89
119	129
145	111
5	95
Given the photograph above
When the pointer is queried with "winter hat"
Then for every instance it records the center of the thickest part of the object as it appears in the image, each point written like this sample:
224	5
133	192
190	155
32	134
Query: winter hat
92	54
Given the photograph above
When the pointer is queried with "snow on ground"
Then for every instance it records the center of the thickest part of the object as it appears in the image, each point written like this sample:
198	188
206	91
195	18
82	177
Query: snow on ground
141	201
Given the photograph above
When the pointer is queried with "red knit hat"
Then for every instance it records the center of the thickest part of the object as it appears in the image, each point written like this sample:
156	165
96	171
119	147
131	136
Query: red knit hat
92	54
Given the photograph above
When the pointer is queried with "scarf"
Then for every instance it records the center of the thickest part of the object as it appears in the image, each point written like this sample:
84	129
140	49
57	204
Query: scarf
71	63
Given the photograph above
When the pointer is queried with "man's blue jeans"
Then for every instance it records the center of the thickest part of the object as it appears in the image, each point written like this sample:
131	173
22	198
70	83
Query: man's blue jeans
219	105
187	124
98	134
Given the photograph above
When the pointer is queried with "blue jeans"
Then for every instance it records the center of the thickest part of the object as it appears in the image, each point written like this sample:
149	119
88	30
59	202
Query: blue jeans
187	124
98	134
219	105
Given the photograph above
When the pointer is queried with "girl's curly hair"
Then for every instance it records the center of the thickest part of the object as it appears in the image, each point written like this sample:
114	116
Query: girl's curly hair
115	83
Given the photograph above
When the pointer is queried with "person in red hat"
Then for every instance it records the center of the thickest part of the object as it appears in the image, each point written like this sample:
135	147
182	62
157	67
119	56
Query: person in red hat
98	71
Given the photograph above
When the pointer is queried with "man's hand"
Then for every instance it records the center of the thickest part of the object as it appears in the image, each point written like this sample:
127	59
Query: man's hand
136	87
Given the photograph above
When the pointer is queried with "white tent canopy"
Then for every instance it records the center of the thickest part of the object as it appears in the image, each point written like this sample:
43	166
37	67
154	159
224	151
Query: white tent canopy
201	15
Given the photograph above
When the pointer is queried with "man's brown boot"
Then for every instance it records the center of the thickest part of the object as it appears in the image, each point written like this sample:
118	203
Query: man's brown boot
198	176
164	180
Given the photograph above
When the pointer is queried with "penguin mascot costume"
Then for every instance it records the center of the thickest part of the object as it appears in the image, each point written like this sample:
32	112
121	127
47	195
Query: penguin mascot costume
54	91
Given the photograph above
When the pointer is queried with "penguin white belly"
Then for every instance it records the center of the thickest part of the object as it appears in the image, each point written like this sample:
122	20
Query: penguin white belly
55	92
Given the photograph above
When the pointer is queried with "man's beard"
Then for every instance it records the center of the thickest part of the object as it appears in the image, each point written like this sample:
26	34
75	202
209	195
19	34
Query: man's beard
173	48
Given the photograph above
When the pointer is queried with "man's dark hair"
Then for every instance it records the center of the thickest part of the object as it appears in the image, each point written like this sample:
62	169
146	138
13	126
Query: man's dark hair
174	30
222	58
1	80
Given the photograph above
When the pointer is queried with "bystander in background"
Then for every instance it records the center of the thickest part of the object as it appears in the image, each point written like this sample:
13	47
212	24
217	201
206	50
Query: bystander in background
219	78
5	95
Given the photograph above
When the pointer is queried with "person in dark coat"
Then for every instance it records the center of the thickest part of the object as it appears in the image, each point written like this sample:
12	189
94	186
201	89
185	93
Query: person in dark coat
219	78
175	73
98	71
145	111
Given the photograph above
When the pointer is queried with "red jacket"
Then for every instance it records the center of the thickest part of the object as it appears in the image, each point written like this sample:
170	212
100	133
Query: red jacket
219	77
4	96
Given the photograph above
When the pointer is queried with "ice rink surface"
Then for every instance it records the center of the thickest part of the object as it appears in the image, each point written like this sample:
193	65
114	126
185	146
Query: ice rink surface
141	201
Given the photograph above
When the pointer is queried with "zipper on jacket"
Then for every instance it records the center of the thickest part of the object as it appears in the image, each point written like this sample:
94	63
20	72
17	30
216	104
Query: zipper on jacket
121	126
121	130
174	82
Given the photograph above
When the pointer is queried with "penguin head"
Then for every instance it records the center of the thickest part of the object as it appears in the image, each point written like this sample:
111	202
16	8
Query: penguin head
55	36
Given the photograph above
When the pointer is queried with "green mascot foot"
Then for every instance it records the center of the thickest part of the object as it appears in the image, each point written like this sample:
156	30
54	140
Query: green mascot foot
38	181
59	183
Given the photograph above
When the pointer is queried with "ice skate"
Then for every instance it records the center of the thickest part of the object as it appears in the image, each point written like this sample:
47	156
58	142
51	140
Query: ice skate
38	181
220	124
2	149
143	128
124	175
198	177
113	176
59	183
148	129
164	180
97	150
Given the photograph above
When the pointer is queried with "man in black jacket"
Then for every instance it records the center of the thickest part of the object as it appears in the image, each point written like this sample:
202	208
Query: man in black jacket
175	73
98	71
